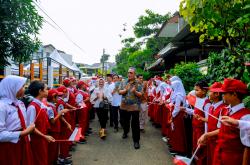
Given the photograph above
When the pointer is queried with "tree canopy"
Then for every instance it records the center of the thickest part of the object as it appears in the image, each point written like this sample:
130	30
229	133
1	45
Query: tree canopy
19	25
138	50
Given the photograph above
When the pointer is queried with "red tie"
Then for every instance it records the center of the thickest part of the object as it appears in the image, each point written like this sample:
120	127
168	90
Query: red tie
20	115
212	109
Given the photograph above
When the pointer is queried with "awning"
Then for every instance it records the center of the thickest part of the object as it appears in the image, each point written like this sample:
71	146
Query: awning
156	63
168	49
57	57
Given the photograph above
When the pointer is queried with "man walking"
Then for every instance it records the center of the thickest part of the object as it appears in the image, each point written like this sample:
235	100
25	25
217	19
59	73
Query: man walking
116	101
131	93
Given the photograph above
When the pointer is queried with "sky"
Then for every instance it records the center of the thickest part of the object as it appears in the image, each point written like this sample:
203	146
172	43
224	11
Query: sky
95	25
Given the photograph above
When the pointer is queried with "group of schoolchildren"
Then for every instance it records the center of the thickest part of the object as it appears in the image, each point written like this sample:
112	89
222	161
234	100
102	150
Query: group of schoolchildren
217	125
39	133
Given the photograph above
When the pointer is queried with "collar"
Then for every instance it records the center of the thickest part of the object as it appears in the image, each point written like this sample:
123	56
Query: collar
216	105
37	101
51	104
236	108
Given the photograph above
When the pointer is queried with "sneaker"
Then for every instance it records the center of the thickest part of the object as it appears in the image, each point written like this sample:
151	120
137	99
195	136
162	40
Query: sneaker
165	139
102	134
124	136
89	132
82	141
136	145
61	161
69	156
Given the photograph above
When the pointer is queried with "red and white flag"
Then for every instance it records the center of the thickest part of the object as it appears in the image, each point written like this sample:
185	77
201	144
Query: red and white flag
195	101
76	135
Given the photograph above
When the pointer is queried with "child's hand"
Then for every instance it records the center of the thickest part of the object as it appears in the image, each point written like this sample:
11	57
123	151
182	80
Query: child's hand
69	127
197	116
49	138
228	121
65	111
202	140
28	130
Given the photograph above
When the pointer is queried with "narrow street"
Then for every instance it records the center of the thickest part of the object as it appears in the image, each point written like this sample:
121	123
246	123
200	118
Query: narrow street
117	151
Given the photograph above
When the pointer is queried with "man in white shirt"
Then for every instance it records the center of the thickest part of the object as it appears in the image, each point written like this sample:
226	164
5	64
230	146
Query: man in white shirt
116	101
108	89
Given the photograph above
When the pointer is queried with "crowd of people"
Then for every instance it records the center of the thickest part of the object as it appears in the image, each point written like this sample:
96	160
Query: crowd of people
36	123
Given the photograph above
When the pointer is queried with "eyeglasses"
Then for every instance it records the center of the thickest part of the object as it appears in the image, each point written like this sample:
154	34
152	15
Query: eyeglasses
130	72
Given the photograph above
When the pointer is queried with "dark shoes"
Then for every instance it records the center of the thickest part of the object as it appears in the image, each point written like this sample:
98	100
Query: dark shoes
136	145
82	141
124	136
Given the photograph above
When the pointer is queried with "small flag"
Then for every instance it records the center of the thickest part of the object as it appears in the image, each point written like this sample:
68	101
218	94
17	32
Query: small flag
76	135
180	160
191	98
195	101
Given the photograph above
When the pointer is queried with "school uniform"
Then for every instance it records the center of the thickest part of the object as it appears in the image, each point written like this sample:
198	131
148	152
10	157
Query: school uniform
199	128
65	132
150	99
217	110
54	131
177	134
37	113
14	150
83	113
229	149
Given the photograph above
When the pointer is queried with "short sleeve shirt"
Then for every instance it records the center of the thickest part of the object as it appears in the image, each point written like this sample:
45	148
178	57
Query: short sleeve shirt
130	98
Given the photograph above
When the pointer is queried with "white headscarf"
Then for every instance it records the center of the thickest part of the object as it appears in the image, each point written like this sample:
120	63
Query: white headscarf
178	89
10	85
175	78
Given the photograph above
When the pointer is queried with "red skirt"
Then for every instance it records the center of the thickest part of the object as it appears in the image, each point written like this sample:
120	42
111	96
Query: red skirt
53	150
211	144
83	116
157	114
202	152
16	153
165	125
178	136
39	147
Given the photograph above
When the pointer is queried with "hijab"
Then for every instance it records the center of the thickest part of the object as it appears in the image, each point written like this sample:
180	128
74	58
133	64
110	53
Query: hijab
10	85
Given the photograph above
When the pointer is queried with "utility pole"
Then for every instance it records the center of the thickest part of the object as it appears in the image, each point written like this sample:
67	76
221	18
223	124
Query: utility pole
103	61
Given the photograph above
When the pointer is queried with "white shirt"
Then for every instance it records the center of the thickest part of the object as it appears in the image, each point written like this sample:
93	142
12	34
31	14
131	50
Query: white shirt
94	95
9	120
116	99
79	98
244	135
205	109
31	111
216	105
108	89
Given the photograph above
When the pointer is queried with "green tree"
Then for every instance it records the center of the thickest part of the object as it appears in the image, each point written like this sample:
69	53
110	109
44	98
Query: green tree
139	50
227	21
19	25
189	74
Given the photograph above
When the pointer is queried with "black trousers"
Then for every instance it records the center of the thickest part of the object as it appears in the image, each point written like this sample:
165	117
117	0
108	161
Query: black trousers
111	118
133	118
102	116
114	113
